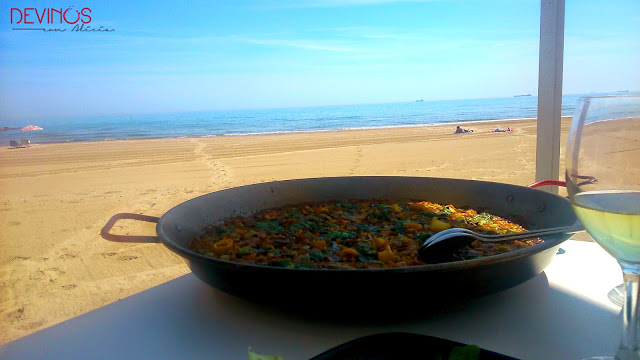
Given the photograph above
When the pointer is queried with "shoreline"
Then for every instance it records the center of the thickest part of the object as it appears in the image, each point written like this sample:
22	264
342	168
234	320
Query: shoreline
442	124
56	197
454	123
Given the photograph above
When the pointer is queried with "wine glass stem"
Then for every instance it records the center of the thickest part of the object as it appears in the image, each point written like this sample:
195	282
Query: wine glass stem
629	345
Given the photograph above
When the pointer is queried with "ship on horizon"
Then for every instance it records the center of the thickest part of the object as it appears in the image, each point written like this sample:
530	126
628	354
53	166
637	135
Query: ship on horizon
522	95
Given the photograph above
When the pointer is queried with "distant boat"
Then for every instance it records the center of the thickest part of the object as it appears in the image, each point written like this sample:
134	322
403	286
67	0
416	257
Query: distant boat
31	128
623	91
522	95
419	100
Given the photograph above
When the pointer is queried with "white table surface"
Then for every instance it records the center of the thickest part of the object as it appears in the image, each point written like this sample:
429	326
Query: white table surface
562	314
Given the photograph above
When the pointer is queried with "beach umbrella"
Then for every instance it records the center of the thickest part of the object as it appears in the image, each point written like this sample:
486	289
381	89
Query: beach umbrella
30	128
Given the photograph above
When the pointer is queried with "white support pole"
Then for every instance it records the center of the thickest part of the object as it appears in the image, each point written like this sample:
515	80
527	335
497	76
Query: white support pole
550	91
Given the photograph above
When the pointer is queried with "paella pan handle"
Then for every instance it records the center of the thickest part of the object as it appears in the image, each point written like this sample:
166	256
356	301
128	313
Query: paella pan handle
548	182
128	238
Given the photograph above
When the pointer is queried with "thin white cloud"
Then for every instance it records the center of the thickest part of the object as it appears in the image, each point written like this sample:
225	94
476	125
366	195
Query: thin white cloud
357	33
337	3
332	3
302	44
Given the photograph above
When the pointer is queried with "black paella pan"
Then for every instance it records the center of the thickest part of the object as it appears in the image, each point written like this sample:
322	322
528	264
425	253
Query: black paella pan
444	282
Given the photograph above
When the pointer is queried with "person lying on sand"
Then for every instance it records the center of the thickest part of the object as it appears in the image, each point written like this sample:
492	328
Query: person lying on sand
460	130
502	130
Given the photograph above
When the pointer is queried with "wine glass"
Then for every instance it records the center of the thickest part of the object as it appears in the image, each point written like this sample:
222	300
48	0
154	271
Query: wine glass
603	182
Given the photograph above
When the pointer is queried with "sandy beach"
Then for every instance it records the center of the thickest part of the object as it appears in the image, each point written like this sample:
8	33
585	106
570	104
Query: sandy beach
56	197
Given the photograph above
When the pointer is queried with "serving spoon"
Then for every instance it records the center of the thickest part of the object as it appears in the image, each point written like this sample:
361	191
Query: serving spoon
465	236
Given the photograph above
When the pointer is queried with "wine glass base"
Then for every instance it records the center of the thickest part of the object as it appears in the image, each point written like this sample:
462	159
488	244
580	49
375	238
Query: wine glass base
617	295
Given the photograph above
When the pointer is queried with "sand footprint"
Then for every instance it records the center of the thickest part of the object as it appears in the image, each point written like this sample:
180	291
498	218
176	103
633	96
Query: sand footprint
219	172
68	255
520	154
356	161
20	258
48	275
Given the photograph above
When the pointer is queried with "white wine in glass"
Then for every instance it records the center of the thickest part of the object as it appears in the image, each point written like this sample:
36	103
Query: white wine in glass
613	220
603	181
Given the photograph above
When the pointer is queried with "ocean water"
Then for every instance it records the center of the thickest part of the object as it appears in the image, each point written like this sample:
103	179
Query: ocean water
245	122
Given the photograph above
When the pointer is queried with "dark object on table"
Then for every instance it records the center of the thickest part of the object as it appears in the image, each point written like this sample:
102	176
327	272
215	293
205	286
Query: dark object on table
399	345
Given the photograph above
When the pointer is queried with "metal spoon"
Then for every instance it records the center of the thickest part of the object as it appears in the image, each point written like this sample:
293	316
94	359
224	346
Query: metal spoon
467	234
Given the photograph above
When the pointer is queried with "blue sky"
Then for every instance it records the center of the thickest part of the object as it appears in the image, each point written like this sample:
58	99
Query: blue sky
208	55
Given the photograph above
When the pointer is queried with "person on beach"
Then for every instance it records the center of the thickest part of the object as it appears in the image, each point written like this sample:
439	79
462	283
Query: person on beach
460	130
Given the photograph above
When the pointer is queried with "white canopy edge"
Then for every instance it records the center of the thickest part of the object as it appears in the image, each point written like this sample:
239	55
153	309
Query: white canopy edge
550	91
